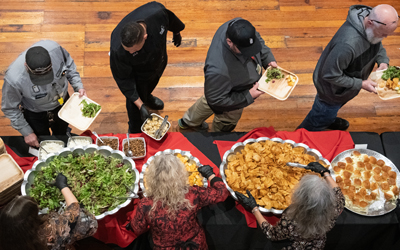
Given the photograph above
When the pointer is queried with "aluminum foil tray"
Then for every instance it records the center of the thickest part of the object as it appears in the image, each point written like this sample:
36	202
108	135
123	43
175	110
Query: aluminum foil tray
380	206
240	145
104	150
169	151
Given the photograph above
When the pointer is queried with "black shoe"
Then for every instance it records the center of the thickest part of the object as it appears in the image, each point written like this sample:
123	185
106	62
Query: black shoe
202	127
339	124
154	103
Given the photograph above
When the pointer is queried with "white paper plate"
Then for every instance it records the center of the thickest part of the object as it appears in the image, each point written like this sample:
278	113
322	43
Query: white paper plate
71	112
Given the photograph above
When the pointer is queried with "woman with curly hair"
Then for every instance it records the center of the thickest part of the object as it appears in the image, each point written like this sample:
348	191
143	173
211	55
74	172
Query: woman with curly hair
23	228
171	206
316	204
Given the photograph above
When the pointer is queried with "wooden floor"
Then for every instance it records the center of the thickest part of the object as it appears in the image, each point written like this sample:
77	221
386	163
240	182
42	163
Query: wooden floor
297	31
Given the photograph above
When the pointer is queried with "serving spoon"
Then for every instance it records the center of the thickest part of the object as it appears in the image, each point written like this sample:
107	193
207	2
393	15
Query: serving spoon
130	154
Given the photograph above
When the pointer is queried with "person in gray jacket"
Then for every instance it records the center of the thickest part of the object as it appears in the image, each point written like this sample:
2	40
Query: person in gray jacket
35	88
232	69
346	63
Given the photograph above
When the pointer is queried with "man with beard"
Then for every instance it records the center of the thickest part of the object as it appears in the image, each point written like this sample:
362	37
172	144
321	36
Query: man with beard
347	61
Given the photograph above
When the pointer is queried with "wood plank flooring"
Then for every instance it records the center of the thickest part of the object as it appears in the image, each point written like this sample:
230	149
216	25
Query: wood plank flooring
296	31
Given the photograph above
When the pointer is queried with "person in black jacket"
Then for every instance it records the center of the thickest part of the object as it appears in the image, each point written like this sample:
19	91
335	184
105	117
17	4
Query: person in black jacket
138	57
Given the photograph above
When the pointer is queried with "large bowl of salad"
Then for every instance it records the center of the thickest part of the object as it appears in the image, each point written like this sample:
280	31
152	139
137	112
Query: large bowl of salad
103	180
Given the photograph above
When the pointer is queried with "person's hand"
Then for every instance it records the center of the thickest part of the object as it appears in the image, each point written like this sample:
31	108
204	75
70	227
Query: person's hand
144	113
369	85
61	181
249	203
254	92
177	39
206	171
382	66
317	168
82	92
273	64
32	140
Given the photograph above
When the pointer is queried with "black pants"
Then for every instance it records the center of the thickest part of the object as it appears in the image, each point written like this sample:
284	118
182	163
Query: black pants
144	90
40	124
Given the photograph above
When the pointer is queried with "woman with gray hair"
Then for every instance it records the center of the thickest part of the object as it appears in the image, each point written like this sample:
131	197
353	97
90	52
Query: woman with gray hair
170	209
316	204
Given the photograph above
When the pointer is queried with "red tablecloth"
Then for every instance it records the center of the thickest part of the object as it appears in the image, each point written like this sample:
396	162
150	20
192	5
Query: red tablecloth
328	143
112	228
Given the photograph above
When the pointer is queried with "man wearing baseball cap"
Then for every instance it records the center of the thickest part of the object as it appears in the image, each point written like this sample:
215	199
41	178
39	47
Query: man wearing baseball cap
35	88
232	69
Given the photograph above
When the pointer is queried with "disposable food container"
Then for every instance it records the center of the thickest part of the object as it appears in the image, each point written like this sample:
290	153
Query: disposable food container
152	137
28	178
109	138
125	141
71	112
42	154
71	144
278	88
237	148
11	178
165	152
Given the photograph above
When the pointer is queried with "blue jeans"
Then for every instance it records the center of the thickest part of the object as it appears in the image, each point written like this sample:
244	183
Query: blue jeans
321	116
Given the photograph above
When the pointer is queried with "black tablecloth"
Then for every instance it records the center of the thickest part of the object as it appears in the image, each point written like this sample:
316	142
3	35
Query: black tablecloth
226	227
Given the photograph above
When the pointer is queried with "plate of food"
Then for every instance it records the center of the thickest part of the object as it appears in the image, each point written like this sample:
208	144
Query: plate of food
278	82
80	112
103	180
111	141
137	145
191	163
369	181
259	165
388	82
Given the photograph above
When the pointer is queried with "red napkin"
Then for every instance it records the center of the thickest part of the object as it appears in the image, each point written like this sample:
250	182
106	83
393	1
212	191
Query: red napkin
328	143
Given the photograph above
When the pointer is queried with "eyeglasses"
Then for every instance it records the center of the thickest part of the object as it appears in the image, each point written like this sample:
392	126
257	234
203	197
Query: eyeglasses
380	22
38	71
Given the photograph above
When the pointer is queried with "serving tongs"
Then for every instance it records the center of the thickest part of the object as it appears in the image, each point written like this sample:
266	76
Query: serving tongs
295	164
135	195
158	133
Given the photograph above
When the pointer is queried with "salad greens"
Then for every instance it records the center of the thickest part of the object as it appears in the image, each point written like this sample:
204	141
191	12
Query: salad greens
390	73
274	73
89	109
94	179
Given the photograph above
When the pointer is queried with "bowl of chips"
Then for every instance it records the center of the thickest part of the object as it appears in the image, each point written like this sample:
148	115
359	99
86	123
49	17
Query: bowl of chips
259	165
191	163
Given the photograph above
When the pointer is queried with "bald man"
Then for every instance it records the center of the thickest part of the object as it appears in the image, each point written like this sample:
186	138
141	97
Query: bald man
347	61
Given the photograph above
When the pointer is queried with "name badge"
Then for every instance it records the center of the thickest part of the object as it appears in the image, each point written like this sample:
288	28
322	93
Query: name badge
258	69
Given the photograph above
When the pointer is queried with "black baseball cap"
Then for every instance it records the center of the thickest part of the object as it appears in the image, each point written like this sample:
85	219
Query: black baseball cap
38	64
243	34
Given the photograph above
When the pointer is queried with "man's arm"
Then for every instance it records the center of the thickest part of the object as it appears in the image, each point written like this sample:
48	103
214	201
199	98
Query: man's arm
175	24
71	73
217	90
10	102
338	60
382	59
122	76
267	58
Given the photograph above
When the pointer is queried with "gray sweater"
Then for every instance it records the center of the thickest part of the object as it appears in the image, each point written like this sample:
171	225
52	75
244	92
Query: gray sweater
347	60
228	76
18	88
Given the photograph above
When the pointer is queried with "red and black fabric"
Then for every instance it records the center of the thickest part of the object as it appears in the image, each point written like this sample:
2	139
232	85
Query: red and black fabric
328	143
183	231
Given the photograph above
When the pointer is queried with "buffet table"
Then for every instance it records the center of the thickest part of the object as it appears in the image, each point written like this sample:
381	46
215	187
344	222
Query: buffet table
227	228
